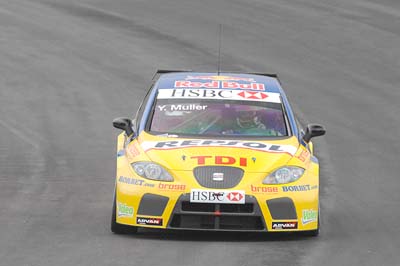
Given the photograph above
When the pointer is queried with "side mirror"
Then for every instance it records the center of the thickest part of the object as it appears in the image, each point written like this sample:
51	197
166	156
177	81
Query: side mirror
313	130
124	124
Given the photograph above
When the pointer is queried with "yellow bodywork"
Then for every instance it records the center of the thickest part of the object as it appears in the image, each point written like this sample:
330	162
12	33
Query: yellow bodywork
179	162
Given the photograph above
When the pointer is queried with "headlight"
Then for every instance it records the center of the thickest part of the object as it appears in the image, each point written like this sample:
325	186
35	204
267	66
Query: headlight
151	171
286	174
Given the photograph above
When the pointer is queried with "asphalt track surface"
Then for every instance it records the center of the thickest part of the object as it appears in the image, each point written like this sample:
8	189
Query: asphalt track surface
67	68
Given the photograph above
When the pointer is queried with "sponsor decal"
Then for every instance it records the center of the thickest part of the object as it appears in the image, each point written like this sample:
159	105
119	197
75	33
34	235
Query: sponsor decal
182	107
227	78
264	189
284	225
241	86
134	181
222	160
171	187
227	94
132	150
235	196
191	84
259	146
219	85
304	155
124	210
217	196
253	95
309	216
149	221
297	188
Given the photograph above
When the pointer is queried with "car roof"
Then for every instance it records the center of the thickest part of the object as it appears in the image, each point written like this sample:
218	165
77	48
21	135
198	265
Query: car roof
268	82
166	79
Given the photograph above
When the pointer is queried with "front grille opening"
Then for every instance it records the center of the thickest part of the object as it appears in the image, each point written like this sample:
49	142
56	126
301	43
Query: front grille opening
223	208
197	207
193	221
210	222
237	208
216	216
241	223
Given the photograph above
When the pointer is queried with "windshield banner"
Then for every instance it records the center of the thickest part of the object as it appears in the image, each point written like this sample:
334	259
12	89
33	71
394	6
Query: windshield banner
224	94
179	144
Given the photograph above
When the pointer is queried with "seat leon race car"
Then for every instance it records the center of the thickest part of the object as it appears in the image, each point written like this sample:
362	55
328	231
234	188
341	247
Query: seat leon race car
216	152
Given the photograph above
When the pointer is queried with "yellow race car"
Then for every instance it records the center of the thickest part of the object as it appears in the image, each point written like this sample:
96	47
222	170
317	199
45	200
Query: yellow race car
216	152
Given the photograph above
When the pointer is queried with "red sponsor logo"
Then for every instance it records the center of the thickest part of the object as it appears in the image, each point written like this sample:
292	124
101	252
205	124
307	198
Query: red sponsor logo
247	86
253	95
218	84
304	155
132	150
234	196
191	84
264	189
176	187
221	78
222	160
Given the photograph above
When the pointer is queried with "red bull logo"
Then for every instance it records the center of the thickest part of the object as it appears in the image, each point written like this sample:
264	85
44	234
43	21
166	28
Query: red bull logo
220	78
219	84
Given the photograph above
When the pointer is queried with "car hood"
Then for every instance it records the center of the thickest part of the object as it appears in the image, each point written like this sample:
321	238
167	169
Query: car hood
250	155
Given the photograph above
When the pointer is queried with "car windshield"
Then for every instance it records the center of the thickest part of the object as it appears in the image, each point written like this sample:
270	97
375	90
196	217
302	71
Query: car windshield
218	117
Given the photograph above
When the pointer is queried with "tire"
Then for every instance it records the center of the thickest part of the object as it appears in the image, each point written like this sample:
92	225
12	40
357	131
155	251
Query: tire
117	228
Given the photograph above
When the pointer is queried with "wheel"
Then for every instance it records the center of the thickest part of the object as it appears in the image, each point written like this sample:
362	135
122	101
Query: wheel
117	228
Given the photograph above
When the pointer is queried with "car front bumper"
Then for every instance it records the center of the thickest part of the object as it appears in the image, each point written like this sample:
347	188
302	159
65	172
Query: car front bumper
260	212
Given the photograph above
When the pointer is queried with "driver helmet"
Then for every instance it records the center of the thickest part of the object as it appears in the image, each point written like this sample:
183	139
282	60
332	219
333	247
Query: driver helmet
247	116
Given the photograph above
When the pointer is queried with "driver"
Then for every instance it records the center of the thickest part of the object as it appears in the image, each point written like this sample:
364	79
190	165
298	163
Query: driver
247	122
248	119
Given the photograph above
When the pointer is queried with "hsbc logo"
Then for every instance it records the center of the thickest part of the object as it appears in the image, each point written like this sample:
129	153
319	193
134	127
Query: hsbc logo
217	196
234	92
254	95
234	196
